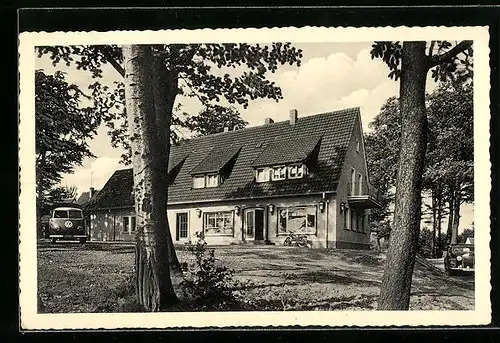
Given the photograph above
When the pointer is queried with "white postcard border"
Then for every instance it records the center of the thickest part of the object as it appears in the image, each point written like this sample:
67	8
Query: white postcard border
31	320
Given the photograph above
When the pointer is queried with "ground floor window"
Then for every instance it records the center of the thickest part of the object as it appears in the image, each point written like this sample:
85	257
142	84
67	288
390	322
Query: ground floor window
129	224
182	226
297	219
218	223
356	220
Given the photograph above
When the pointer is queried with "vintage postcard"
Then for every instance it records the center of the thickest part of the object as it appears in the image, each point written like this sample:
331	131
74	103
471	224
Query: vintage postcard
314	176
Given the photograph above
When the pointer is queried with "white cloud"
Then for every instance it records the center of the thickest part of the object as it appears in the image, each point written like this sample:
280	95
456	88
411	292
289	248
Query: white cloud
95	175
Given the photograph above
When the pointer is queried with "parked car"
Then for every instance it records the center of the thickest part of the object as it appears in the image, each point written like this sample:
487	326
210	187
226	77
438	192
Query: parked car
67	223
459	257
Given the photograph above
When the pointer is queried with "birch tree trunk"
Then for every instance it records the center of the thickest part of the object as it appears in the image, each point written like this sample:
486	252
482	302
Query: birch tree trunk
154	288
396	281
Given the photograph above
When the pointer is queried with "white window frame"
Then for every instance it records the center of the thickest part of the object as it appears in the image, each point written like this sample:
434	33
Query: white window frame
264	173
276	168
360	184
357	146
205	217
129	220
177	223
300	170
199	177
210	185
305	208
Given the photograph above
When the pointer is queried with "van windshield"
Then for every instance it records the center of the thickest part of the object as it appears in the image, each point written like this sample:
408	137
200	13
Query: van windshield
68	214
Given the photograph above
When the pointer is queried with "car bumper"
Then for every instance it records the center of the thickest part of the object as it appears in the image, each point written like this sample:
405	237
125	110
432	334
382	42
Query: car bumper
68	236
462	269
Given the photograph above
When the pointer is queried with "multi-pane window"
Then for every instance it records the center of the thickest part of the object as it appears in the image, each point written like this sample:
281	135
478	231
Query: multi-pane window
129	224
212	180
279	173
261	175
295	171
300	220
355	220
218	223
182	226
199	181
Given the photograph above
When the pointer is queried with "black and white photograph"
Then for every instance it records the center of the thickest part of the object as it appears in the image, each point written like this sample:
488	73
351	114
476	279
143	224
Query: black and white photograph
192	178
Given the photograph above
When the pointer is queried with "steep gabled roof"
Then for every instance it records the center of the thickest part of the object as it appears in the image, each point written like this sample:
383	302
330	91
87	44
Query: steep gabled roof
330	131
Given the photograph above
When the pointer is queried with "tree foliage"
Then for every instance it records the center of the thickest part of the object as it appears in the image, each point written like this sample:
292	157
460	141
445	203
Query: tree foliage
450	149
63	127
214	119
207	72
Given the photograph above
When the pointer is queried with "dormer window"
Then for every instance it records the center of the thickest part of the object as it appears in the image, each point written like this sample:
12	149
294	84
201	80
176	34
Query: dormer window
279	173
262	174
295	171
199	181
212	180
357	145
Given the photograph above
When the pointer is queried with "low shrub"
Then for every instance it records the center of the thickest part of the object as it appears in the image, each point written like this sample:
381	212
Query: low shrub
209	285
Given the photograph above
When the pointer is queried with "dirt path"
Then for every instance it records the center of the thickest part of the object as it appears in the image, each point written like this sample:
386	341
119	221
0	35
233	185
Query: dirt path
91	278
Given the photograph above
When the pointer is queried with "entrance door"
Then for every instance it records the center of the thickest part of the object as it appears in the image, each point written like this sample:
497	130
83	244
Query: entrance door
181	226
254	224
259	224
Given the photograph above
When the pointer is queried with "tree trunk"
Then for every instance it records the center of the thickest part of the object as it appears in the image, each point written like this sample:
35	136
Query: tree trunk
154	287
165	91
396	281
456	218
439	221
434	223
449	231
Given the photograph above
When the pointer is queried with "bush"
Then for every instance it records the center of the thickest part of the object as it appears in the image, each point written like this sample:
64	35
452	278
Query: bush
210	286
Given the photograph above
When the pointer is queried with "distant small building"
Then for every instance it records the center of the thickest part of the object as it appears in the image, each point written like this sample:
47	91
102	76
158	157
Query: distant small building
85	197
304	175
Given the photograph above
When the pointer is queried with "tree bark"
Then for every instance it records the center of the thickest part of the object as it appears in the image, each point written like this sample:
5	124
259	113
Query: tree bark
456	217
396	281
439	221
449	230
434	223
154	288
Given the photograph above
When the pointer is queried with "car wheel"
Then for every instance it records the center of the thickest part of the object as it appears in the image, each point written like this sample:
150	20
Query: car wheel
287	242
53	240
83	240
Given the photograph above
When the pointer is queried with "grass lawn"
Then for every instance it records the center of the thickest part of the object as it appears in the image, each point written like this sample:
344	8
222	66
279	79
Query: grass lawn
96	278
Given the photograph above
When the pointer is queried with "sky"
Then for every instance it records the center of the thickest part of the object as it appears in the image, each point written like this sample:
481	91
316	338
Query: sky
332	76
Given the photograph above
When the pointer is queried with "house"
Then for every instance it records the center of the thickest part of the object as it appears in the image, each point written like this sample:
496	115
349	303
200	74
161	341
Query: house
304	175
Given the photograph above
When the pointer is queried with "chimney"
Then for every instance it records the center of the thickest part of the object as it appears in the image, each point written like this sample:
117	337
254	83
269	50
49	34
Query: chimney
91	192
268	121
226	129
293	116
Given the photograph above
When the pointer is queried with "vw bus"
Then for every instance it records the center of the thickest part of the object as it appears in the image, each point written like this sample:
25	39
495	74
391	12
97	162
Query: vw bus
67	223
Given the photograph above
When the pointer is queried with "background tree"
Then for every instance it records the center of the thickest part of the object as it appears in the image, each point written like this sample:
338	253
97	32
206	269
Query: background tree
213	119
466	233
382	145
410	62
63	126
154	76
